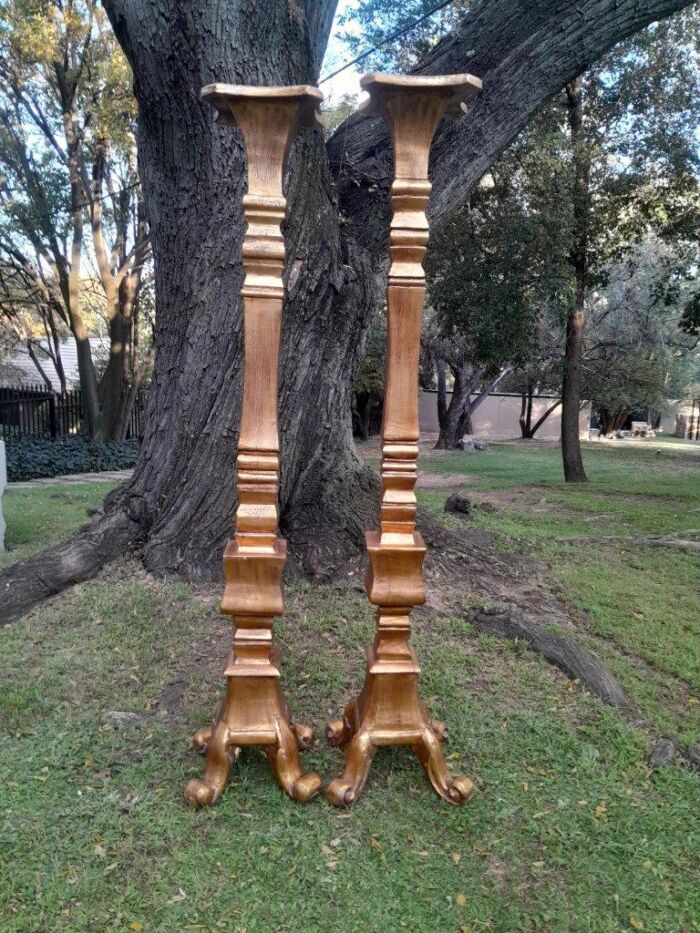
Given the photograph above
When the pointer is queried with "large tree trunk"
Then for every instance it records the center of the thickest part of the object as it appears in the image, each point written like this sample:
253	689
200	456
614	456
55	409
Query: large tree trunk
574	471
194	176
182	493
114	384
453	420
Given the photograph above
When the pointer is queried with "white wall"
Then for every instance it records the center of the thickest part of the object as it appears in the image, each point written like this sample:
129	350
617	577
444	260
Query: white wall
497	417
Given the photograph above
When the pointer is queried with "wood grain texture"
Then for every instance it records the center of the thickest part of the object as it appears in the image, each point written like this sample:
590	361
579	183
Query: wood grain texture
254	711
388	710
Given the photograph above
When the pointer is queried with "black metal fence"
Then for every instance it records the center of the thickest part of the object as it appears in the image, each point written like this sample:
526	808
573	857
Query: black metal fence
35	411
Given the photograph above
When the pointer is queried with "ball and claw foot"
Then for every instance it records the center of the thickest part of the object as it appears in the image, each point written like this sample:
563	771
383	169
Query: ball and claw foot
201	739
304	735
335	733
440	729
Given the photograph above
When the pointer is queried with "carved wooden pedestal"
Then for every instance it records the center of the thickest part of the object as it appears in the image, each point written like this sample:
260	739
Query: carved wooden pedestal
388	710
254	711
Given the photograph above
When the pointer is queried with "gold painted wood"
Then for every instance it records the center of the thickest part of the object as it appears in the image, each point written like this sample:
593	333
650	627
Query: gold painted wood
388	710
254	711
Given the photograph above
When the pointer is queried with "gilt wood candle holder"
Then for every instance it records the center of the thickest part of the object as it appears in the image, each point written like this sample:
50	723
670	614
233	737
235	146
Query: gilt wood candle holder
254	711
388	710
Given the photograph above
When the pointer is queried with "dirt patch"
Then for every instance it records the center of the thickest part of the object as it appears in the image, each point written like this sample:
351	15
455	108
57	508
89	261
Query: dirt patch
440	480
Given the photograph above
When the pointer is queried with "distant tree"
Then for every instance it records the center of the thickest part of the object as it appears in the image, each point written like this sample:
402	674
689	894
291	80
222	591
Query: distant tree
370	23
541	373
71	198
496	268
30	316
632	122
636	351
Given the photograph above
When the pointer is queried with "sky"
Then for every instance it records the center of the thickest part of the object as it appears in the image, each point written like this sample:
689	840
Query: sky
337	53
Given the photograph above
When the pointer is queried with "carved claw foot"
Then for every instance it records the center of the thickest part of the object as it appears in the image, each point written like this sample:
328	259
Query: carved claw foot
304	735
440	729
200	740
428	750
346	790
221	753
340	731
285	764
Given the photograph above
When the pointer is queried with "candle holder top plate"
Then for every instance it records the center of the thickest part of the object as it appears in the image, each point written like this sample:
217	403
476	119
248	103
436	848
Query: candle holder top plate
224	96
459	89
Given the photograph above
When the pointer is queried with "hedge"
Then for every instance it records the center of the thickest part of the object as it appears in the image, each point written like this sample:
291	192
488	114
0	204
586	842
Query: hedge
36	458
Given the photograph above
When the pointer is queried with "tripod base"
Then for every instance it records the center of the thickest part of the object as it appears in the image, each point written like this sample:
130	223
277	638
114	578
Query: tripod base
389	711
253	712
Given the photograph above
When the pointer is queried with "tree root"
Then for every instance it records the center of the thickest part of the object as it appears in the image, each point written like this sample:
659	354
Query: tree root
680	544
577	662
103	539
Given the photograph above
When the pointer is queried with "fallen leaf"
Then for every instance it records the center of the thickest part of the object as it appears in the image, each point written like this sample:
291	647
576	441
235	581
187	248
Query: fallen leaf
456	857
376	844
635	922
462	900
135	925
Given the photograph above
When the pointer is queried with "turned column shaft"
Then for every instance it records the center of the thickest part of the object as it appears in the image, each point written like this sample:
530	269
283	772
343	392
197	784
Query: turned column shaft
388	709
397	552
254	711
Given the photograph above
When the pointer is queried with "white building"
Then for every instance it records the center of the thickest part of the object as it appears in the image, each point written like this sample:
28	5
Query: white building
17	367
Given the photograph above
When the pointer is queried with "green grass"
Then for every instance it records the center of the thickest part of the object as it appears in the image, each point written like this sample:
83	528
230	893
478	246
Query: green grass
643	470
41	515
638	605
568	830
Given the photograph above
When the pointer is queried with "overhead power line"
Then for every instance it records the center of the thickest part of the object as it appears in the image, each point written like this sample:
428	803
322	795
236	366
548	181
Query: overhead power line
391	38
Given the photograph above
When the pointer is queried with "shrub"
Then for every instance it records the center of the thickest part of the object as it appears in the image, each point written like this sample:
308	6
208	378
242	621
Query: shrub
35	458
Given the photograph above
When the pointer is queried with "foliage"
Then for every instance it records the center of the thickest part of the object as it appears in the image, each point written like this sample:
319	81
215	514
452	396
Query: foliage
637	353
68	165
370	378
336	112
499	276
33	458
368	390
368	23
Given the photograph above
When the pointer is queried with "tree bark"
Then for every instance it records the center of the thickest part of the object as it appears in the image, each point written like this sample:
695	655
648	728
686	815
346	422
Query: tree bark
458	411
193	175
182	492
574	471
525	418
441	368
527	428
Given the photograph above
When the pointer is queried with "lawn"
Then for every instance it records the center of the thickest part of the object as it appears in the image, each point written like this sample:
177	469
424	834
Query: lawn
568	831
41	515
